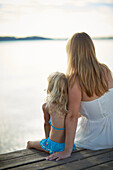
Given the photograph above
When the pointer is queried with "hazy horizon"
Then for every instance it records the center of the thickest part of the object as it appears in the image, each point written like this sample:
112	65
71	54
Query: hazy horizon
49	37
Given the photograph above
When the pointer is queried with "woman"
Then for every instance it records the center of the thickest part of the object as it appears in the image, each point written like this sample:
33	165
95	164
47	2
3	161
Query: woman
90	93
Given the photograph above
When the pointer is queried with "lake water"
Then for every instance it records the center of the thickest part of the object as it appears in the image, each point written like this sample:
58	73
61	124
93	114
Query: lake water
24	68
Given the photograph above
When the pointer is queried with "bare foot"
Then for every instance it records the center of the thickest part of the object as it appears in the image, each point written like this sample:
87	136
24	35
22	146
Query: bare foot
34	144
28	145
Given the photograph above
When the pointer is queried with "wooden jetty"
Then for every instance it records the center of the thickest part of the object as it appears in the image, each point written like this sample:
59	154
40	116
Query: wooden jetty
31	159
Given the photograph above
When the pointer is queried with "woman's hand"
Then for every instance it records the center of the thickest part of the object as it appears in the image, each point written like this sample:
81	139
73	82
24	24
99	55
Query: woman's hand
58	156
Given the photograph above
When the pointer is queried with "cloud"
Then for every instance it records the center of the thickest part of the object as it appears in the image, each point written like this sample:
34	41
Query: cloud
56	18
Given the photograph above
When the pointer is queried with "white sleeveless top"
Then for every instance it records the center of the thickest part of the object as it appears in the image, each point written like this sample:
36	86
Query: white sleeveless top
95	127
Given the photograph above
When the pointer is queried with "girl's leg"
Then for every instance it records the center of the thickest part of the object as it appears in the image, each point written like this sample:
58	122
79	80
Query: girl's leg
35	145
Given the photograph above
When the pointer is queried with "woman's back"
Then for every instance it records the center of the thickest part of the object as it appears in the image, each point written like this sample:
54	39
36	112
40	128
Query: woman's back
95	127
85	97
99	108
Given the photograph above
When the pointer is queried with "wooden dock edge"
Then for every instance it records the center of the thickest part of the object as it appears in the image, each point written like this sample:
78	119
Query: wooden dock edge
34	159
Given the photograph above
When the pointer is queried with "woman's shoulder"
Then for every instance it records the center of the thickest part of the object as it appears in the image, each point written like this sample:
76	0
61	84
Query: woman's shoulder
106	69
108	74
73	81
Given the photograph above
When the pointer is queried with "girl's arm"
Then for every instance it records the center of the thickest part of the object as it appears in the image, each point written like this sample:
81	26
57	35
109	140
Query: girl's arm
46	120
71	122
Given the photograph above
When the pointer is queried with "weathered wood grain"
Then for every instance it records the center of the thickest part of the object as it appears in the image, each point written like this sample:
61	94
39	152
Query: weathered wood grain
23	157
23	160
38	162
103	166
17	154
88	162
20	153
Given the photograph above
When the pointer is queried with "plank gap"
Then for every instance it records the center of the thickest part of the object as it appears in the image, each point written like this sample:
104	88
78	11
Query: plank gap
52	166
27	163
93	166
21	153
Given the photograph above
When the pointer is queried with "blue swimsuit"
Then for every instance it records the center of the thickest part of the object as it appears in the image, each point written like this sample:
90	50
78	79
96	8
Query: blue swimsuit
51	146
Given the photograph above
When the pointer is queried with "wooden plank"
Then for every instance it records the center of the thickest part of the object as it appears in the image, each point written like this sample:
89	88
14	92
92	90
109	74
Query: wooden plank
39	156
87	162
103	166
76	157
23	157
17	154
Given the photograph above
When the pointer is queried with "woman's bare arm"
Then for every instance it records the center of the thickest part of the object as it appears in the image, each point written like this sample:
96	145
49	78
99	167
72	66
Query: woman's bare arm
72	117
46	120
79	115
71	122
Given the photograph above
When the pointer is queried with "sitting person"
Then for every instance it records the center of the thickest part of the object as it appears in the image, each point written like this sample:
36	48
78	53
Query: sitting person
55	111
90	92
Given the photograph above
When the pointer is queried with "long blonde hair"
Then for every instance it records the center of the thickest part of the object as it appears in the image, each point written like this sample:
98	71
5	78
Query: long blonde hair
83	64
57	91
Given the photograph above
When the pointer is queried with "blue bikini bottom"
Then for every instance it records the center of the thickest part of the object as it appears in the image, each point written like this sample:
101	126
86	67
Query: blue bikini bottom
52	147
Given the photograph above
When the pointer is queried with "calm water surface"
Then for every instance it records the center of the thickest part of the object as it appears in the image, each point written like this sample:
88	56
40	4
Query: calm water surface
24	68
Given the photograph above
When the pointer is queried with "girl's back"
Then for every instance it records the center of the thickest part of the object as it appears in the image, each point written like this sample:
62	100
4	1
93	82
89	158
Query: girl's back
57	122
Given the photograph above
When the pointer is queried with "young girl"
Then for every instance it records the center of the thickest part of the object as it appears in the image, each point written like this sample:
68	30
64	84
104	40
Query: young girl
55	110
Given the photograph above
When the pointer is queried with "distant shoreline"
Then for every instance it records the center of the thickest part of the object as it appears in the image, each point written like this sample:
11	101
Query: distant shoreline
11	38
8	38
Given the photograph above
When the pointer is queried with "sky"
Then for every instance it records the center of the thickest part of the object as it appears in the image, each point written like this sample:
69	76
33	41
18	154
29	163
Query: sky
56	18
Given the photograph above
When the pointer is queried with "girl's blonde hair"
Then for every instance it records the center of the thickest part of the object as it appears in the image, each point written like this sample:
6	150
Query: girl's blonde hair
57	91
83	64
